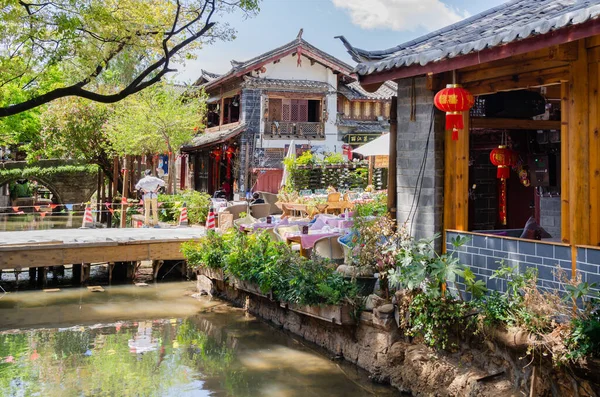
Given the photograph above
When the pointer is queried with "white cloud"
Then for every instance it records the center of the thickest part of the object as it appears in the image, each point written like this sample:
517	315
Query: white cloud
400	14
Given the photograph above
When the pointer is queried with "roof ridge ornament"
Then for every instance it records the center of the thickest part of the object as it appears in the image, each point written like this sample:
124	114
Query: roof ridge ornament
299	37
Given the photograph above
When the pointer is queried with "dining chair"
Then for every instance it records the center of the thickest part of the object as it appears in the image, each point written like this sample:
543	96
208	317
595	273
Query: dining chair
330	248
260	210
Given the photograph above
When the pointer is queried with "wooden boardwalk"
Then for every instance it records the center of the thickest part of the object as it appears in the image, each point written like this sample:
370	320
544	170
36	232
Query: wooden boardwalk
42	248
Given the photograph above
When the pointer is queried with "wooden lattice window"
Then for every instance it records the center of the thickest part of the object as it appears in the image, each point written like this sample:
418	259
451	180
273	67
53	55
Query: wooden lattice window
386	110
346	108
295	110
275	110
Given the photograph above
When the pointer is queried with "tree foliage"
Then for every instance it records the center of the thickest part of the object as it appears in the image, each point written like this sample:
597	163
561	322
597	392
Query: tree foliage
73	128
157	120
85	41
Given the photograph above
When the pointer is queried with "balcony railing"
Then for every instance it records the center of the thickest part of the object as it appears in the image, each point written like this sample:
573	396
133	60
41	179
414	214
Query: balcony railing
286	129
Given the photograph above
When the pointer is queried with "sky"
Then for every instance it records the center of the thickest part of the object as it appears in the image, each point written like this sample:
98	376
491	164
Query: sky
367	24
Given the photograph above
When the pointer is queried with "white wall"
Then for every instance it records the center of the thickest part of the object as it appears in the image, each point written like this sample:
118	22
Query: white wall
287	69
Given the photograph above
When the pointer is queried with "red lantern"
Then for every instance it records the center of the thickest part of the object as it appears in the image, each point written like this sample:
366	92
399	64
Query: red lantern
503	158
229	154
216	154
454	100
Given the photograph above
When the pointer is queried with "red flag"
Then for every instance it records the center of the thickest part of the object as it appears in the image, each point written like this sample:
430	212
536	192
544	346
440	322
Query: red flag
111	210
16	209
53	206
37	207
124	200
42	214
141	202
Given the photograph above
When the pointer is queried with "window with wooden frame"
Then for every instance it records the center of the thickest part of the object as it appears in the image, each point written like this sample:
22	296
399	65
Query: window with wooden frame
294	110
367	110
377	110
356	110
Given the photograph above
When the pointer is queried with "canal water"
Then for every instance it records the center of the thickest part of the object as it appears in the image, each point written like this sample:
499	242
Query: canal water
10	222
157	340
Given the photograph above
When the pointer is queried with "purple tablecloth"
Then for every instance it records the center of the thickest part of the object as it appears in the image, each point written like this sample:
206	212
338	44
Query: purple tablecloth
308	240
339	223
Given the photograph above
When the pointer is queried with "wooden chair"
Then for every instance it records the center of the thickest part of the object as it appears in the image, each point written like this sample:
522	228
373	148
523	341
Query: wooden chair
333	197
329	248
260	210
271	199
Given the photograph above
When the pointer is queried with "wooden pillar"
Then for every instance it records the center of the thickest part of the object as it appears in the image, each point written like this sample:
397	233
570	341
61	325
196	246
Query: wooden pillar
125	193
564	167
456	179
102	198
116	173
594	151
221	108
578	150
391	190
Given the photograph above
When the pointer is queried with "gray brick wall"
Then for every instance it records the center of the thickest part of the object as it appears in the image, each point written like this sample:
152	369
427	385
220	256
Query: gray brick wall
588	265
412	141
250	101
550	215
483	254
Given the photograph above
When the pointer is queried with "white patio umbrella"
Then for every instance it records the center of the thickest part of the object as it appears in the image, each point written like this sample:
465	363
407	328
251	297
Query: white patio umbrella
290	155
377	147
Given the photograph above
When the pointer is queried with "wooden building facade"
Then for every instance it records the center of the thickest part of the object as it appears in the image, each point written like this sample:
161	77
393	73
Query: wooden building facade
534	71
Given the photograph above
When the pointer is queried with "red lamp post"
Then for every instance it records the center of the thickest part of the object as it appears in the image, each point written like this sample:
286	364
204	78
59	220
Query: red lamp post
454	100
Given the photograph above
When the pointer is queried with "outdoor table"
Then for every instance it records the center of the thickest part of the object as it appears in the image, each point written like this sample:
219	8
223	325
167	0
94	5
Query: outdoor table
307	241
339	223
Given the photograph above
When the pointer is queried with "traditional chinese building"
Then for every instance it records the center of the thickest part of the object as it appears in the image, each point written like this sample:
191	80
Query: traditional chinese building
295	92
527	153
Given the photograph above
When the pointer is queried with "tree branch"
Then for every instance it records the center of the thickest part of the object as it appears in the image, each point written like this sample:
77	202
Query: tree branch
161	67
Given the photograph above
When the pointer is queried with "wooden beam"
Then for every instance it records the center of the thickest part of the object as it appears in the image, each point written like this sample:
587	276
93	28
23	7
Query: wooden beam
65	254
392	193
564	167
511	71
594	151
514	124
462	176
579	165
522	81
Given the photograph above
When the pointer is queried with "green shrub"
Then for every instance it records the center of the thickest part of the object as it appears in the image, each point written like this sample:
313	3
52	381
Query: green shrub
197	203
273	266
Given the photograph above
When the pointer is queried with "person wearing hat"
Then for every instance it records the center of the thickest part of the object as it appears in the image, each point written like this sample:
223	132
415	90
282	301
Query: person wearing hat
149	186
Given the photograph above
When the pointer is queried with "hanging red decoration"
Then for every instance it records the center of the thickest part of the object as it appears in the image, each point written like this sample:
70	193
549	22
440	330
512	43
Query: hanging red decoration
504	158
229	154
216	154
454	100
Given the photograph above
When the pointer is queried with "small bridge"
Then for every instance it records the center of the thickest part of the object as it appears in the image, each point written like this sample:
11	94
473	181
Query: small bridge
69	181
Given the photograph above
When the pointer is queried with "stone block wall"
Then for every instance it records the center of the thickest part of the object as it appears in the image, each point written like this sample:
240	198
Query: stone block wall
420	161
550	215
484	254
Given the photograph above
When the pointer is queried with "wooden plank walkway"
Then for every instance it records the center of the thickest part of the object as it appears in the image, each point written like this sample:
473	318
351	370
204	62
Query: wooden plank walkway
40	248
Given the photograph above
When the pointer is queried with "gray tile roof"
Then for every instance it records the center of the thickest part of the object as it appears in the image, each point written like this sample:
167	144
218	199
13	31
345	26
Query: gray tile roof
354	91
241	66
294	85
507	23
209	138
364	126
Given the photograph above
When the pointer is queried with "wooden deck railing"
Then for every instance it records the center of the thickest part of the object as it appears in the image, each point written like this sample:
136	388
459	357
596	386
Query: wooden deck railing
295	129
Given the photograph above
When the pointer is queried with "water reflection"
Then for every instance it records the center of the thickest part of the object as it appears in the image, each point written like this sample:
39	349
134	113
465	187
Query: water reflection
205	349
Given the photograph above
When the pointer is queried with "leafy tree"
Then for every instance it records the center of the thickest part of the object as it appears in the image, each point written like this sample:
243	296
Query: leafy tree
86	40
156	120
73	128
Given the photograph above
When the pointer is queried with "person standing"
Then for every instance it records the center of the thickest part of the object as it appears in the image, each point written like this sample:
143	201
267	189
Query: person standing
149	186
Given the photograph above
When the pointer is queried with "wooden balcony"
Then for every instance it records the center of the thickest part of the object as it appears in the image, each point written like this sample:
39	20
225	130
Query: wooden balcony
294	129
222	127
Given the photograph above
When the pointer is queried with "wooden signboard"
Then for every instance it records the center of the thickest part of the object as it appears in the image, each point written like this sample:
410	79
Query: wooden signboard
382	161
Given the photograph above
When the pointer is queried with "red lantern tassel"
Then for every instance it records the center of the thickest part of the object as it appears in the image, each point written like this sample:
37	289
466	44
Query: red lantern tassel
503	172
454	120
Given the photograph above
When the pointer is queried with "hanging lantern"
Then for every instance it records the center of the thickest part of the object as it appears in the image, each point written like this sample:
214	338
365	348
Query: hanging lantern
503	158
454	100
216	154
229	154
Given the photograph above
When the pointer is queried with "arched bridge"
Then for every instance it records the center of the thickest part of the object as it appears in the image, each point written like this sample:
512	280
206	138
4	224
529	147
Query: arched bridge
69	181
